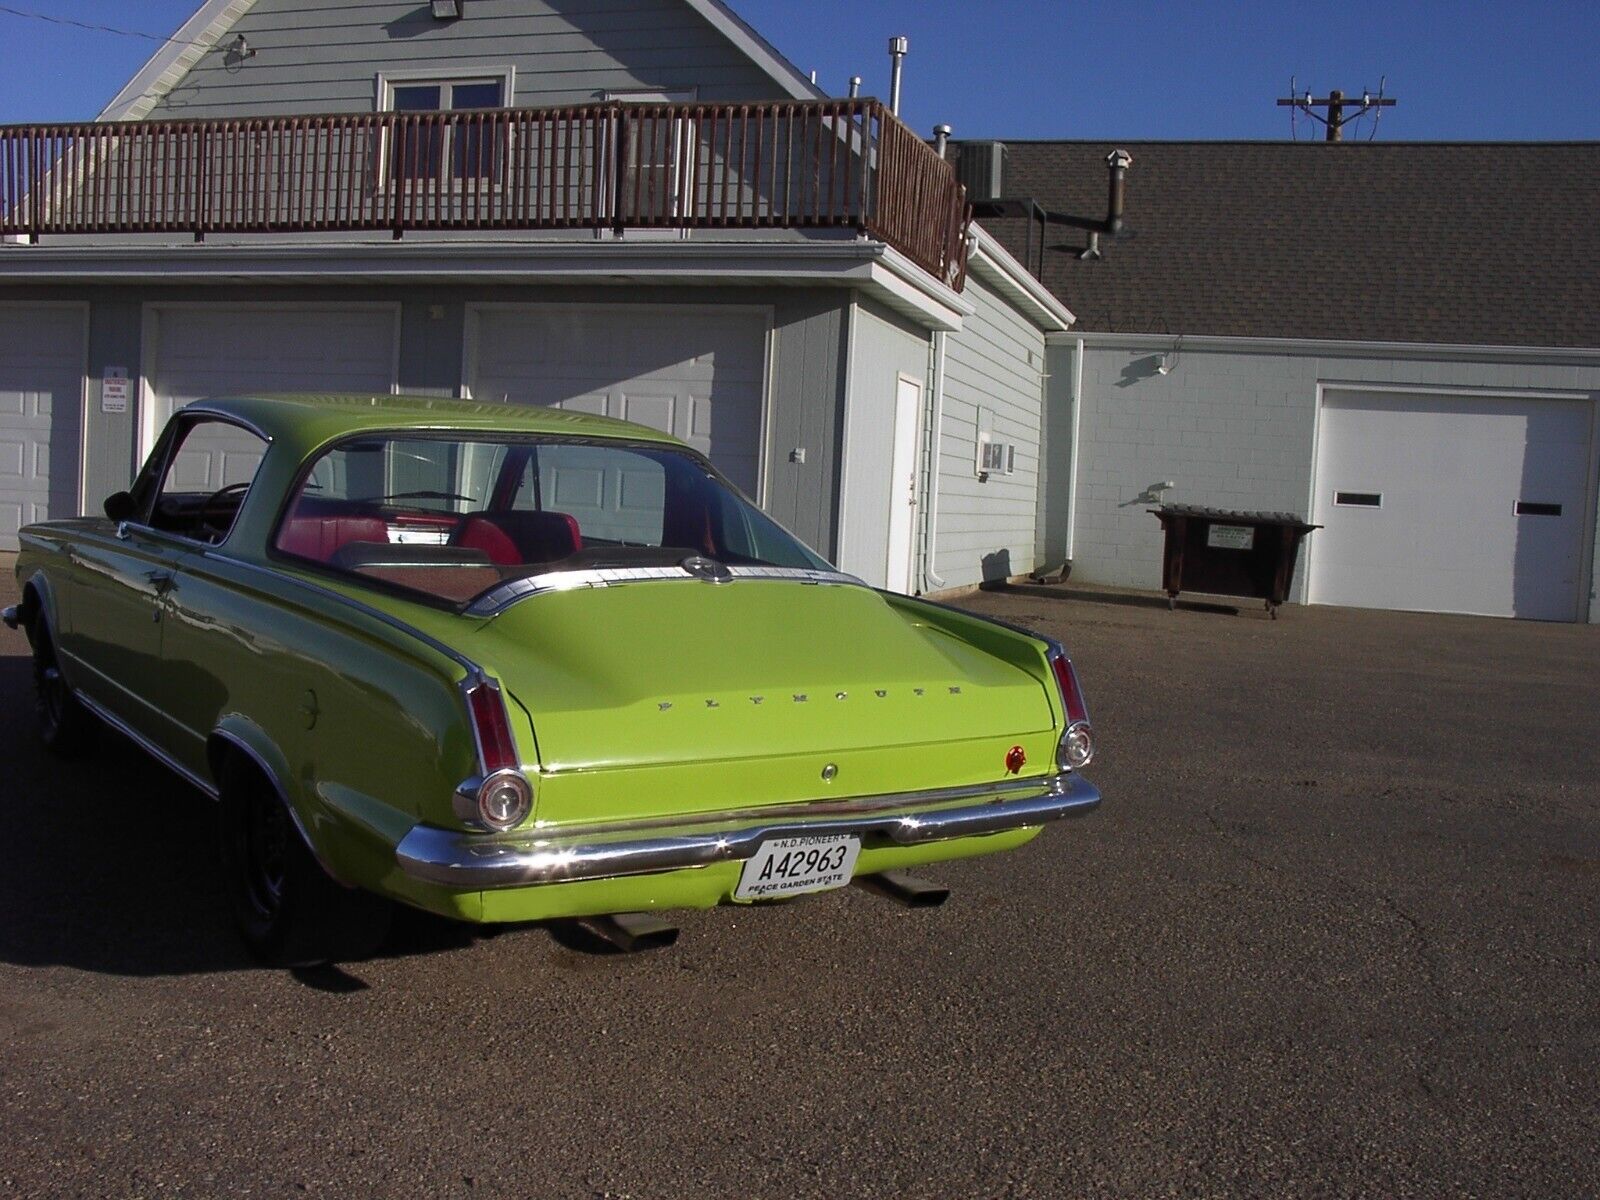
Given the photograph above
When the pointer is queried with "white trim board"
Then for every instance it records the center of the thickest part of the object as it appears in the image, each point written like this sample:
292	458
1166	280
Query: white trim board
874	267
195	38
996	265
1574	355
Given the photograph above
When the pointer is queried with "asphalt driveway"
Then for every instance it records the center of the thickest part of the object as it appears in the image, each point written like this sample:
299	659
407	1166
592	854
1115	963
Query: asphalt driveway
1335	931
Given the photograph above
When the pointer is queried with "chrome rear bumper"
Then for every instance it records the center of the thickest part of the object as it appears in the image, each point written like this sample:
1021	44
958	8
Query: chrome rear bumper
478	861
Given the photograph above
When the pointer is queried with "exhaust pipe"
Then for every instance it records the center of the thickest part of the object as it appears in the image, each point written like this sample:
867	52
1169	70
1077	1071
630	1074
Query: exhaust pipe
941	139
631	932
906	888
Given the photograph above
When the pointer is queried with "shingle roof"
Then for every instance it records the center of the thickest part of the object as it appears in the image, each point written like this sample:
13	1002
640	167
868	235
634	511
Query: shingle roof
1474	243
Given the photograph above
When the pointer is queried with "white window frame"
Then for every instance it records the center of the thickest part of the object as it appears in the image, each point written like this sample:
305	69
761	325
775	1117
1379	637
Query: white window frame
383	101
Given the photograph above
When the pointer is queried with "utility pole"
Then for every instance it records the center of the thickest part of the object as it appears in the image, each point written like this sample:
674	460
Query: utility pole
1341	109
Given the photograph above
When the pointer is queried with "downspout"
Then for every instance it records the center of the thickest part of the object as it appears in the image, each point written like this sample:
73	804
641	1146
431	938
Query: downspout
1075	402
931	580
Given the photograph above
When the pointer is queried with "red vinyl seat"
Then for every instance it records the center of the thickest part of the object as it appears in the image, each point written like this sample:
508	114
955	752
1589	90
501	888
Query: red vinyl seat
320	535
513	539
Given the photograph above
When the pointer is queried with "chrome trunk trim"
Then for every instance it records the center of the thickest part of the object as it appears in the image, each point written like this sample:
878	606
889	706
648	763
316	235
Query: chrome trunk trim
473	861
498	599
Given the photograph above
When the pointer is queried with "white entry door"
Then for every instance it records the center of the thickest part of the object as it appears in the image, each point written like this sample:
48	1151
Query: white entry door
696	373
1446	503
903	486
41	402
230	350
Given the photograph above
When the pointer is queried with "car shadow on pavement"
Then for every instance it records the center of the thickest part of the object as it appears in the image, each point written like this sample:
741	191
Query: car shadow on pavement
108	863
1056	591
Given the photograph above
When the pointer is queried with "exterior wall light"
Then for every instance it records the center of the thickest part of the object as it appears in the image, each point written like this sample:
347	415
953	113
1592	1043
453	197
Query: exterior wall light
447	10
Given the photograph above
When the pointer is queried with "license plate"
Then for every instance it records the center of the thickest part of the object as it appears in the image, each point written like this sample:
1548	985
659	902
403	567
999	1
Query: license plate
792	865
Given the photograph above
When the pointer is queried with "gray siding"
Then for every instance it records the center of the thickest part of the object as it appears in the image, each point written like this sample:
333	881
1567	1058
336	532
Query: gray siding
882	348
804	414
806	379
1233	429
994	379
313	56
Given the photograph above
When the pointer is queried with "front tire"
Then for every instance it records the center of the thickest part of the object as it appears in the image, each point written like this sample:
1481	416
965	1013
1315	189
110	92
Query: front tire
289	911
65	726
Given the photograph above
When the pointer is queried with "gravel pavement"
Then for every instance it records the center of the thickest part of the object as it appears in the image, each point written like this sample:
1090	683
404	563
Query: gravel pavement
1335	931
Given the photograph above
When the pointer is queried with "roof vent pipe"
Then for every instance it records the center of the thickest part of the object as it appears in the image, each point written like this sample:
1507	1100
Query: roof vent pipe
898	46
941	139
1117	164
855	86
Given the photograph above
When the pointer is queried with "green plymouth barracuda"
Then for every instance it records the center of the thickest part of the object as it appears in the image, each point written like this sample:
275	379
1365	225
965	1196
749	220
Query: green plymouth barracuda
511	664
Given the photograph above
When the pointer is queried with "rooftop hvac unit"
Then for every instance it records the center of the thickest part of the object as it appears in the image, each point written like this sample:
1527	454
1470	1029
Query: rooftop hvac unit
983	170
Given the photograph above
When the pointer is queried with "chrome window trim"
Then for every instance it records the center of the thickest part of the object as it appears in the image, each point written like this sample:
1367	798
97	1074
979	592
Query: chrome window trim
198	409
205	408
496	600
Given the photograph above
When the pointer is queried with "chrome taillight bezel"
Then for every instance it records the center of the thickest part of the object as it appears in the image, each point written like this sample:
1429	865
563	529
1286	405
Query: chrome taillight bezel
1075	748
499	764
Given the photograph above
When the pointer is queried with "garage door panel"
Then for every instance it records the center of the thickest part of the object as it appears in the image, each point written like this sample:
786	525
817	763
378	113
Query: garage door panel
201	353
1447	536
697	375
41	396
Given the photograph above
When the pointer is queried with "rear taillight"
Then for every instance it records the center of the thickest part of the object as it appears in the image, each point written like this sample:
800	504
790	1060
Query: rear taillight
496	749
1076	747
500	797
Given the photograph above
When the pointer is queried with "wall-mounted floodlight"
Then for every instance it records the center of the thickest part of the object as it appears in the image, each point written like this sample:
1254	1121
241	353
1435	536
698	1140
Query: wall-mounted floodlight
447	10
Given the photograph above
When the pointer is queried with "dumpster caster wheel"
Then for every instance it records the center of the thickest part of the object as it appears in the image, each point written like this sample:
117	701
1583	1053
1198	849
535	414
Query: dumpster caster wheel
1172	604
1272	611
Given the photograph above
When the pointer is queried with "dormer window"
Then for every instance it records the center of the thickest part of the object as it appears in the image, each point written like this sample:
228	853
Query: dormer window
455	151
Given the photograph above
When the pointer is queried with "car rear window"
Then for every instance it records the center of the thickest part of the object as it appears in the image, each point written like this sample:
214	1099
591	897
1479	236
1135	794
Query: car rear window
452	517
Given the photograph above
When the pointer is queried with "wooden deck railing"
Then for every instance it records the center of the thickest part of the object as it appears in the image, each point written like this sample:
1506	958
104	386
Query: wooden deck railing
826	164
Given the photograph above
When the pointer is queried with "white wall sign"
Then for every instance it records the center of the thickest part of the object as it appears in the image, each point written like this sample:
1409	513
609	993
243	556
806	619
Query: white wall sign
114	390
1231	537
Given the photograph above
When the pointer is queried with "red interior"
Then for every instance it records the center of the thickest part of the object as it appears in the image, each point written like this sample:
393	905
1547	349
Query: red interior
513	538
321	535
320	529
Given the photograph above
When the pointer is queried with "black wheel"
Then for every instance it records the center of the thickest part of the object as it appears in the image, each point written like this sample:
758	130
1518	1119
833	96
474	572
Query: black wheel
290	912
65	726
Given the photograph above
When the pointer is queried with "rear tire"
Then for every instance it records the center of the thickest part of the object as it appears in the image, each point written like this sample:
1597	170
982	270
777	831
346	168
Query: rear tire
290	912
65	726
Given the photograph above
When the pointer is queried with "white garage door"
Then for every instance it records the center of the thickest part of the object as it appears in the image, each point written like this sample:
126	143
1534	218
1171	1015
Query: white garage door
1452	504
41	402
229	350
698	374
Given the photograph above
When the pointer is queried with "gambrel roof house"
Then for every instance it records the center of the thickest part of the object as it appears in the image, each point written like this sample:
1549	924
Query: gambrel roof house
635	207
1400	341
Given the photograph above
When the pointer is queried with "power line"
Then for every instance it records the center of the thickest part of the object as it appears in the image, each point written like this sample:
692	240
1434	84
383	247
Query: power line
133	33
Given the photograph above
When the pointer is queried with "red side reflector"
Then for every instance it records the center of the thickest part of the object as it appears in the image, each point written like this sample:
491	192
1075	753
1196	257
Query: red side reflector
493	729
1071	693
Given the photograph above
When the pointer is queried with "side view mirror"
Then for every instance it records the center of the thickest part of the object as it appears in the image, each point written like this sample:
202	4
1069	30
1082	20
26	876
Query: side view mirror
119	506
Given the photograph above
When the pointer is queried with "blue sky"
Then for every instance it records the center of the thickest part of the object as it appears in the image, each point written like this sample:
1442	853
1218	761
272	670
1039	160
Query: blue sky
1049	68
